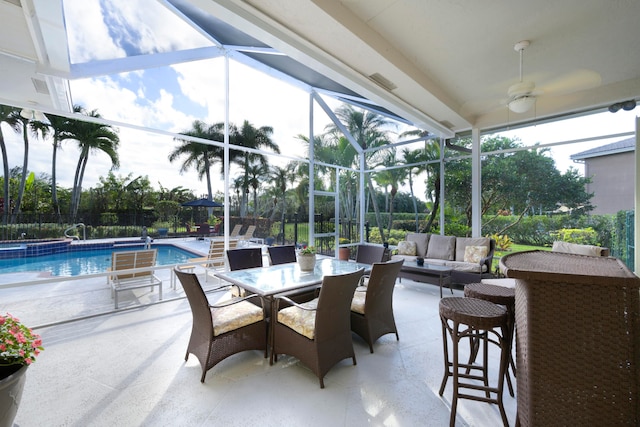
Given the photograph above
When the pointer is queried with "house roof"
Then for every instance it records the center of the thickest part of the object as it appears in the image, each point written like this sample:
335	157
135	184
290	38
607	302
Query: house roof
622	146
441	65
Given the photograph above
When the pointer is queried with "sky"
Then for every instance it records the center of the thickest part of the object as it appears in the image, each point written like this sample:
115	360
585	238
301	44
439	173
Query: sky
171	98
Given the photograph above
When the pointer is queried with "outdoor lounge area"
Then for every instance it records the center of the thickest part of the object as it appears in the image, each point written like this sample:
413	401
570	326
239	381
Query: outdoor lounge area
127	368
453	82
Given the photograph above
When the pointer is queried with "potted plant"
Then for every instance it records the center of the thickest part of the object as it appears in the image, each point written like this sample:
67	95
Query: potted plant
307	258
344	253
19	346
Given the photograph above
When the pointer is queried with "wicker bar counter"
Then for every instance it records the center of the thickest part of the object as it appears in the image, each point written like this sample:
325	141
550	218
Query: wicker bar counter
578	339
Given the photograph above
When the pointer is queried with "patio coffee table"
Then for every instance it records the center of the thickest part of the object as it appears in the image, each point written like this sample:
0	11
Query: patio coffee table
429	273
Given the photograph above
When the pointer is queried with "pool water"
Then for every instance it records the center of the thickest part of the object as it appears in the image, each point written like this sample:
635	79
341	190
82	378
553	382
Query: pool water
76	263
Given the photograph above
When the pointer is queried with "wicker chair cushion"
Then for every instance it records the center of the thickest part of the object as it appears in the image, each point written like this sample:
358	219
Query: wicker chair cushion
357	303
301	321
235	316
475	253
406	247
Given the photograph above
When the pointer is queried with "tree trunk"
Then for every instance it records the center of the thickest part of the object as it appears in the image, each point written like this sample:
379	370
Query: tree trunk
413	199
54	189
5	167
372	196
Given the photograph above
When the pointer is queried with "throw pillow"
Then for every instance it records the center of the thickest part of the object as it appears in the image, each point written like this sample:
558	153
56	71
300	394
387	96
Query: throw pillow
475	253
463	242
406	248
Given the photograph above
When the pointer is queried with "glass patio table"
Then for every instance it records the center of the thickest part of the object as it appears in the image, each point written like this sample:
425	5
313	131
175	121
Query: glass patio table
287	279
283	278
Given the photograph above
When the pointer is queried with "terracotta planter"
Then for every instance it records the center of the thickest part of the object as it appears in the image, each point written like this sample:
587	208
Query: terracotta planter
307	262
344	254
11	387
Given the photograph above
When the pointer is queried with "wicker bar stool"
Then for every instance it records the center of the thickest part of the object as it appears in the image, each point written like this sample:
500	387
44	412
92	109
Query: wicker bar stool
503	296
474	319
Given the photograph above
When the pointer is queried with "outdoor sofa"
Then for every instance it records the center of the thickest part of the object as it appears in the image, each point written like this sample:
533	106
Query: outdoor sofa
469	258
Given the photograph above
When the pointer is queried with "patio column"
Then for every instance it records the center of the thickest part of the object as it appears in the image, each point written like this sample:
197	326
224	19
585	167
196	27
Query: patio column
476	181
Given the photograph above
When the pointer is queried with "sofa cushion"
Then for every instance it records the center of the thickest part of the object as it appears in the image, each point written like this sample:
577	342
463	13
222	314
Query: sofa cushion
407	258
475	253
574	248
466	267
435	261
407	248
441	247
422	242
463	242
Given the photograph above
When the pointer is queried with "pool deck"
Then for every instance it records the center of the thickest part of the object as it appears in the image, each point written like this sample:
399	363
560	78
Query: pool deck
127	367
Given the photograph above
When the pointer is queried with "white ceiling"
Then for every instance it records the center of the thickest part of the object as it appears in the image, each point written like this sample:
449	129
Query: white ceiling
451	61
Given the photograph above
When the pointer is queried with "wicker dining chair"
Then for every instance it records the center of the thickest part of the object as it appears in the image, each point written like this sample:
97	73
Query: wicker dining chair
317	332
222	329
240	259
372	306
282	254
368	254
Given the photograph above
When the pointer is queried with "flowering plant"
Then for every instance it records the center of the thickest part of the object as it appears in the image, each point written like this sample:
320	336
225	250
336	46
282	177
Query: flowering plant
308	250
18	344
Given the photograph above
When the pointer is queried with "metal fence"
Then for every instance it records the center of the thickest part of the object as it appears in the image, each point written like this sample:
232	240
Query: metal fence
294	229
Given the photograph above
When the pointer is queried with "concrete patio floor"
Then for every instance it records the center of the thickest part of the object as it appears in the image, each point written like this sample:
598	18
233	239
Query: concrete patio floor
127	368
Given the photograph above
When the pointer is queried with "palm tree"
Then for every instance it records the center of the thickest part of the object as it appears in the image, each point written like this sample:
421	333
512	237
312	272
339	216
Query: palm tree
90	137
432	152
392	178
6	113
59	132
412	157
256	138
280	176
198	155
256	174
20	123
367	128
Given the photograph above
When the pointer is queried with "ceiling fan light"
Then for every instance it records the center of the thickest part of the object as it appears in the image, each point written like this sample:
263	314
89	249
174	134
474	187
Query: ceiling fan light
27	113
522	104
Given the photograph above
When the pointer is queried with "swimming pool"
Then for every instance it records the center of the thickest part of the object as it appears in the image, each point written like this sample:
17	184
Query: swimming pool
76	263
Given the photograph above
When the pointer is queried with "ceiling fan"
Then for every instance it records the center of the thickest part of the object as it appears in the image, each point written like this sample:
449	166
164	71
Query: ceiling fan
521	95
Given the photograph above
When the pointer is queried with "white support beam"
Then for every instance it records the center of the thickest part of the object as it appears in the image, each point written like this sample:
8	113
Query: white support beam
312	187
476	175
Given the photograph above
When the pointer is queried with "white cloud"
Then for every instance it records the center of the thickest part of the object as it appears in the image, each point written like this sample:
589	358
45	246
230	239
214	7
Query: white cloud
88	37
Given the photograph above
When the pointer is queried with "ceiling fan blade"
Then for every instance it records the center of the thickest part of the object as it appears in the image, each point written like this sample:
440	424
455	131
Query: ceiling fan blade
574	81
482	106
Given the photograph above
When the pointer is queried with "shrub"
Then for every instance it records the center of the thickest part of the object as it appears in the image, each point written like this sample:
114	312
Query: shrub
582	236
503	242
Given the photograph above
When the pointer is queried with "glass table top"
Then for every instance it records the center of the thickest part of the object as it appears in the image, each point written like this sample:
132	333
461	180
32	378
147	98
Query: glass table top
281	278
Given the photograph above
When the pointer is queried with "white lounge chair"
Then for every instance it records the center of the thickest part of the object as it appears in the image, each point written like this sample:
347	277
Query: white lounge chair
130	260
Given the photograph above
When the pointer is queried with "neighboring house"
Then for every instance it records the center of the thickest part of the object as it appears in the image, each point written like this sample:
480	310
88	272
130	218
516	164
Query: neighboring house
611	168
